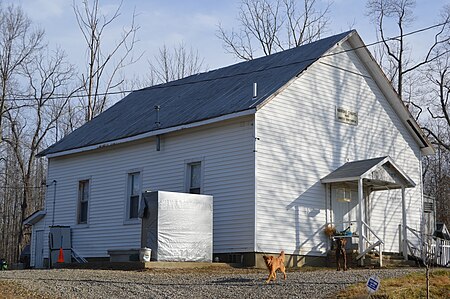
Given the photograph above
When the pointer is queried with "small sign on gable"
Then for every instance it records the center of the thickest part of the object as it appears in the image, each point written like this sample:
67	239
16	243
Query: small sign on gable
373	284
346	116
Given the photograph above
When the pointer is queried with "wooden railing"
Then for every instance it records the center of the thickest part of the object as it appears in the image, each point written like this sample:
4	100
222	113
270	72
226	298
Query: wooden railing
372	244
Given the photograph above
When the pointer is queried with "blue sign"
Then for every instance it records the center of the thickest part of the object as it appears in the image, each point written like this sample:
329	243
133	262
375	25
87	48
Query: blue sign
373	284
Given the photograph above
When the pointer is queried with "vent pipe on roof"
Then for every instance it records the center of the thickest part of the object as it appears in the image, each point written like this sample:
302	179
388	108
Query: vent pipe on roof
158	125
255	90
157	122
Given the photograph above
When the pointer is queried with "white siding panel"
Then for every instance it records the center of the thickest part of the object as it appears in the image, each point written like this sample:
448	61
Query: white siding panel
300	142
226	149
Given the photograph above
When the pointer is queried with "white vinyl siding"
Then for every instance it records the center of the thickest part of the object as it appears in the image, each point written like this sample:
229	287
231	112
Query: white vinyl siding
300	141
280	154
228	162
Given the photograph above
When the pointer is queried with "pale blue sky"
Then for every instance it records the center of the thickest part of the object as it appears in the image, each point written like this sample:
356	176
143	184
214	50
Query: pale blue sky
195	22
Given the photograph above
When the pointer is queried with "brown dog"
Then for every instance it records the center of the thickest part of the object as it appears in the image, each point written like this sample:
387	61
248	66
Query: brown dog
273	264
340	250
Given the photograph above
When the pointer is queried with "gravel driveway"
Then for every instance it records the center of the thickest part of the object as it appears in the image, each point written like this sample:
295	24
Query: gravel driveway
192	283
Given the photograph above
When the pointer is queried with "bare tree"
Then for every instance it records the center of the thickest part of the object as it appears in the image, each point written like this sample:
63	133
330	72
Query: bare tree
437	98
306	24
405	73
102	74
269	26
47	75
174	64
423	84
436	179
397	63
18	42
72	117
437	126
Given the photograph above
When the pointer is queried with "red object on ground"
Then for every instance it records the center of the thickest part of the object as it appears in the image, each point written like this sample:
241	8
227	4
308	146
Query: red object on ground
61	255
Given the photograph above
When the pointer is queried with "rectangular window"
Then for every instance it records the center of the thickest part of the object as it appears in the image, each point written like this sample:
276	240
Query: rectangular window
134	194
83	201
195	177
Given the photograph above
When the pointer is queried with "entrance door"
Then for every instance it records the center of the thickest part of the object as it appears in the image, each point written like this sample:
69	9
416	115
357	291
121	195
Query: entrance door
344	209
39	249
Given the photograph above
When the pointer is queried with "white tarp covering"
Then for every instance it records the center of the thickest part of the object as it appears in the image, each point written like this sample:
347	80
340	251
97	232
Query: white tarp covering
177	226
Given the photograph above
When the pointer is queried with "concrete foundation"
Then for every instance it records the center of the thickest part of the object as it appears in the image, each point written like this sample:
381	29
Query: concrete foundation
124	255
255	259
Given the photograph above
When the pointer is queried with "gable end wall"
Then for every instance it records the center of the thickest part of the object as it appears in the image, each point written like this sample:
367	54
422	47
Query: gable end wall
300	141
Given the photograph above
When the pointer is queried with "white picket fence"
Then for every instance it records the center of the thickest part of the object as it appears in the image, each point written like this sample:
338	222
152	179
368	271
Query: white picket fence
428	248
440	250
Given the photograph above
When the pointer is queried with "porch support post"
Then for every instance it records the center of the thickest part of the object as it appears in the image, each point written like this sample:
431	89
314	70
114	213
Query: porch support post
405	239
360	219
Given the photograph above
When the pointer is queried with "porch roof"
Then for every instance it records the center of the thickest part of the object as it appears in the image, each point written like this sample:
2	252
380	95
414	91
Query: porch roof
377	173
34	218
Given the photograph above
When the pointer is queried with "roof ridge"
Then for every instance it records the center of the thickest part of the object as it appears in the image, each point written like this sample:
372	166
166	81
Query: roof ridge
255	60
197	97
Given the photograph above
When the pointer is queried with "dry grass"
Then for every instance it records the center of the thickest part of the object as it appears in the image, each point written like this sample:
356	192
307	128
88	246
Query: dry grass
411	286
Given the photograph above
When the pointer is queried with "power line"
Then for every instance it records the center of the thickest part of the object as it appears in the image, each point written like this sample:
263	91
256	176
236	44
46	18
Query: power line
172	84
23	187
62	97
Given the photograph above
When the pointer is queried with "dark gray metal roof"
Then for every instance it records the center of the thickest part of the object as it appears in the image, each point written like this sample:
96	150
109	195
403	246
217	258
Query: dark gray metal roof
368	169
353	169
198	97
34	218
441	231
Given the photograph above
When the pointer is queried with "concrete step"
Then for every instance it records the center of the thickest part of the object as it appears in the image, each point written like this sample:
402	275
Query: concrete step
389	260
351	259
371	260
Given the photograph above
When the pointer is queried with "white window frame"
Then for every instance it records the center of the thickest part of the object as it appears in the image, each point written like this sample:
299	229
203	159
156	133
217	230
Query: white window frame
128	190
187	177
89	201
